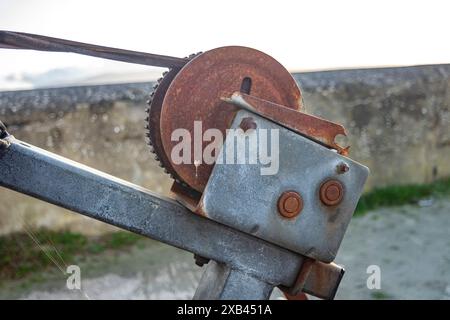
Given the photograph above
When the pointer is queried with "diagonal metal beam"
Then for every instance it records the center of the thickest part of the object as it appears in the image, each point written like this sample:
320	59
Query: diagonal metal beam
54	179
68	184
20	40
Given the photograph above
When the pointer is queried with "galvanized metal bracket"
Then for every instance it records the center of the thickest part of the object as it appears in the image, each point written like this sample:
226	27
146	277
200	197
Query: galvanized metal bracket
245	198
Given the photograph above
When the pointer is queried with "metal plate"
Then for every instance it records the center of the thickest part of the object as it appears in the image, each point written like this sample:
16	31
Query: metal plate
238	195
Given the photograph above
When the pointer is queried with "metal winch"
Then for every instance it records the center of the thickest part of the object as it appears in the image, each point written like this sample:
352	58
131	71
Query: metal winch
262	192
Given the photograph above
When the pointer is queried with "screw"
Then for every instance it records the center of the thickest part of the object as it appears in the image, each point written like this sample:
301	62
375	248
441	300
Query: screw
331	192
342	168
248	123
290	203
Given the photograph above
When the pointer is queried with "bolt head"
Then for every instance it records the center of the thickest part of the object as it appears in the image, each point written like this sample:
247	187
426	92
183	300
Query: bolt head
290	204
342	168
331	192
247	123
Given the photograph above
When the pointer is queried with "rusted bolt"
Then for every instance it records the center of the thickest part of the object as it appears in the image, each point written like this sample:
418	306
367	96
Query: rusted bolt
331	192
342	168
247	123
290	203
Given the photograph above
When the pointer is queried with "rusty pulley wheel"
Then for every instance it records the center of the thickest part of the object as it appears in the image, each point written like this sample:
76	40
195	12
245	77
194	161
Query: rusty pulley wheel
154	116
195	94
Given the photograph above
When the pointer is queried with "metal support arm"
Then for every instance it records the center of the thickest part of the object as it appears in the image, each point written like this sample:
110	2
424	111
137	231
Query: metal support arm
57	180
46	176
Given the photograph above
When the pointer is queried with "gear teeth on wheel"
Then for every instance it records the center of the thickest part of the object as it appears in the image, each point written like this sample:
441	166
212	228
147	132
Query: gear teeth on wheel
147	126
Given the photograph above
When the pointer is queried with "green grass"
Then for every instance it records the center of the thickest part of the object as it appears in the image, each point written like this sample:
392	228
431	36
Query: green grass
379	295
20	255
400	195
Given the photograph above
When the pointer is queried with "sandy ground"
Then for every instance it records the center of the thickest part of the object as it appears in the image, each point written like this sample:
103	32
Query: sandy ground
410	244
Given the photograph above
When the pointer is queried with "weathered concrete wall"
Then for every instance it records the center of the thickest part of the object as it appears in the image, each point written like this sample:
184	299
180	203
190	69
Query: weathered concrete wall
102	127
397	119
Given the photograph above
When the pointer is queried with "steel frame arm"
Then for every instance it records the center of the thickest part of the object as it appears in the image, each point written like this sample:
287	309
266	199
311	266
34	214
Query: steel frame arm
33	171
65	183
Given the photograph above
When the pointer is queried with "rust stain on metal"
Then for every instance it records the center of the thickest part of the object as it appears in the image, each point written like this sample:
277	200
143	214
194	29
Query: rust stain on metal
311	126
186	196
331	192
317	278
323	280
200	209
196	91
300	296
247	123
300	281
154	117
322	276
290	204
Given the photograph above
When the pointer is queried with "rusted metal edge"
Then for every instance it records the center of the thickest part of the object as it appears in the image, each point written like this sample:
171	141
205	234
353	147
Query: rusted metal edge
20	40
317	278
324	280
312	127
300	281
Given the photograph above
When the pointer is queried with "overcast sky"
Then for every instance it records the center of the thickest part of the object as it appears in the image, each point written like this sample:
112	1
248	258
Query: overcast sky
302	35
